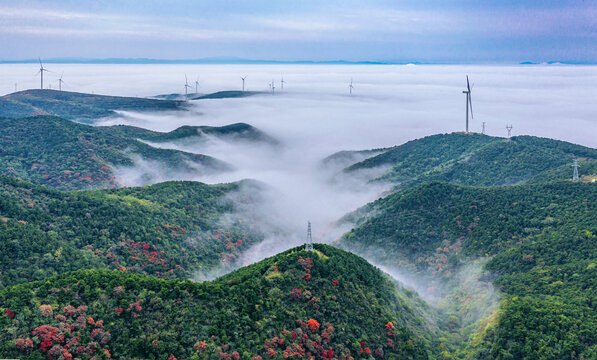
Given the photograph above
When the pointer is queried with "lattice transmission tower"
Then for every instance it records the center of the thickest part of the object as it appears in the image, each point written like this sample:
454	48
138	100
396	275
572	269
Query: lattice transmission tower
309	244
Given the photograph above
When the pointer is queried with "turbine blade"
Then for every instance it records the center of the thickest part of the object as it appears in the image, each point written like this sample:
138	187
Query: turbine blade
470	104
468	86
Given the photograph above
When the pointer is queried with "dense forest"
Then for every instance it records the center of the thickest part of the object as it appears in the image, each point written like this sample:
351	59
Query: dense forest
542	250
509	265
478	160
170	230
321	304
77	106
65	155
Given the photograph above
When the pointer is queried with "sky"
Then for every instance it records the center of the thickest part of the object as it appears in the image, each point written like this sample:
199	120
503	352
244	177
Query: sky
429	31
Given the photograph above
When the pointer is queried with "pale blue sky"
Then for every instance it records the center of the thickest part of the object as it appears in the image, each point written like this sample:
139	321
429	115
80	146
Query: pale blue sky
463	31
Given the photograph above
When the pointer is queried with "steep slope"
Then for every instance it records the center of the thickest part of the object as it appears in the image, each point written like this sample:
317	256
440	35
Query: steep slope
233	132
542	254
342	159
170	230
59	153
323	304
76	106
479	160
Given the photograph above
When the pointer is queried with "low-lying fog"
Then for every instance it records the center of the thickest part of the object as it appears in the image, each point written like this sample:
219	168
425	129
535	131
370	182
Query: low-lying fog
314	116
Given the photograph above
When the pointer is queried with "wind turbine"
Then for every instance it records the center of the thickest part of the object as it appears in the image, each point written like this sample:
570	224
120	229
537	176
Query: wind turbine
243	79
186	86
350	87
41	72
196	85
282	83
273	87
60	82
469	102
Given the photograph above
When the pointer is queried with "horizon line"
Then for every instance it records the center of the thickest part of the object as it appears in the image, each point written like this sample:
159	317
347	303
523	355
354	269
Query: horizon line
229	60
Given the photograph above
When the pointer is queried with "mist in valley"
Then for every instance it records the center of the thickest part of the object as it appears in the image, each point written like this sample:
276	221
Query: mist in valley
314	117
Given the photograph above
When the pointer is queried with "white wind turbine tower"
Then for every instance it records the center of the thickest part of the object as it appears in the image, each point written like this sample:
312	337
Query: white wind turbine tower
41	72
350	87
243	79
282	83
186	86
60	82
197	85
273	87
469	102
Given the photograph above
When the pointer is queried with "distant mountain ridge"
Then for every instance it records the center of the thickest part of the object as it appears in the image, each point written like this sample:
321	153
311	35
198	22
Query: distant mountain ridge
232	132
479	160
77	106
209	60
62	154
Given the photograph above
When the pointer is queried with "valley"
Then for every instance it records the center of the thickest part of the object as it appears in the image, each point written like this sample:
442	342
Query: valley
160	229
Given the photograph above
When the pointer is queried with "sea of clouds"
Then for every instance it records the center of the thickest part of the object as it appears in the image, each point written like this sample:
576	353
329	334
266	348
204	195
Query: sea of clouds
314	116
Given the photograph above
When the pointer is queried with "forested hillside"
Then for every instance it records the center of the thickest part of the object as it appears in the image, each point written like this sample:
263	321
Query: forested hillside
479	160
170	230
322	304
77	106
542	247
233	132
65	155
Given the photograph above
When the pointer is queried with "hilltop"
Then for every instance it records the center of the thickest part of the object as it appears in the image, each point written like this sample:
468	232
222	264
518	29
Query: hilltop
169	230
232	132
540	246
77	106
478	160
62	154
227	94
321	304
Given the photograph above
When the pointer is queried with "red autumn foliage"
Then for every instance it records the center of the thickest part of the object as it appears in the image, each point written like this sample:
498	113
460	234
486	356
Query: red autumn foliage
136	306
334	282
390	329
296	293
200	346
305	263
306	276
25	345
9	313
313	324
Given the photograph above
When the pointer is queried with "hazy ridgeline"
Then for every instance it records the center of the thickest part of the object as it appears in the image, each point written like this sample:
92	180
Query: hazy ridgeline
314	117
